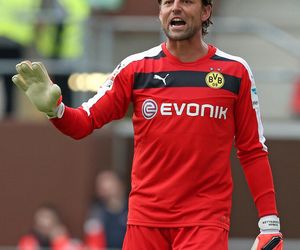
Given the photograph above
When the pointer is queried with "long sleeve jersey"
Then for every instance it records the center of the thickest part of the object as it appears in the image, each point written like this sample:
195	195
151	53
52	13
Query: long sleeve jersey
186	118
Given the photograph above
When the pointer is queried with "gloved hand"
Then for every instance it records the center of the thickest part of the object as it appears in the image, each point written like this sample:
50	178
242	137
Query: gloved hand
34	80
269	238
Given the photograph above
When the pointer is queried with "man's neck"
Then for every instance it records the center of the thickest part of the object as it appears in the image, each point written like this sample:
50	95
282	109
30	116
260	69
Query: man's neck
187	50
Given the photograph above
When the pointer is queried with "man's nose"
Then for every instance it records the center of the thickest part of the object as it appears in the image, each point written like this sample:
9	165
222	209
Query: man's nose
176	6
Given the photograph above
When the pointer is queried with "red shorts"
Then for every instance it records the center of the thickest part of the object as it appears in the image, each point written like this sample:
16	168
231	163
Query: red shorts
183	238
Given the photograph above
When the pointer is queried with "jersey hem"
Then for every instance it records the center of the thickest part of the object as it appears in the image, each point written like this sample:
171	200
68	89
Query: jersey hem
175	224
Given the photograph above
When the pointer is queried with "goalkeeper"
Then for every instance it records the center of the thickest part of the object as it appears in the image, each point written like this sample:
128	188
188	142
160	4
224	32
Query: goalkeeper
191	101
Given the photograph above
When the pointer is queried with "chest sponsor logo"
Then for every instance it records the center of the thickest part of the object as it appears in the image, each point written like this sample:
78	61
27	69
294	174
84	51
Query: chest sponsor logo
215	80
150	108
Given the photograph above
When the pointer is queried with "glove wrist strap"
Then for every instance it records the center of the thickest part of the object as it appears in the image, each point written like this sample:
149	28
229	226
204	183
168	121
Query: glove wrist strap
58	112
269	224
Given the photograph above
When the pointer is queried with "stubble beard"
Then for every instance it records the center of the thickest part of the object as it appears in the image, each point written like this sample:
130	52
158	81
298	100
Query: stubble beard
186	35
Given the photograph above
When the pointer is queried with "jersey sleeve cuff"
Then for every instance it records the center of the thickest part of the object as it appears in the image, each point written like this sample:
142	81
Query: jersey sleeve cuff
266	205
59	112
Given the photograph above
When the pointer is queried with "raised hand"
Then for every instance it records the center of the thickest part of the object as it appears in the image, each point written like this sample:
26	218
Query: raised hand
34	80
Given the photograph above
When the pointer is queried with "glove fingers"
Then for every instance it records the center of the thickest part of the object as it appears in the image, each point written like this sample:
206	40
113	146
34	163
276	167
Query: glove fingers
24	69
40	71
19	81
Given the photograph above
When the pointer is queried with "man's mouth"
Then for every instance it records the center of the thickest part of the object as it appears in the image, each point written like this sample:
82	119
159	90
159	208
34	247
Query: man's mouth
177	22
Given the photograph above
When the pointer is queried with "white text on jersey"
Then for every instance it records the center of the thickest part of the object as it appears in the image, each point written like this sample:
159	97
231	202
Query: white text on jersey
193	109
150	109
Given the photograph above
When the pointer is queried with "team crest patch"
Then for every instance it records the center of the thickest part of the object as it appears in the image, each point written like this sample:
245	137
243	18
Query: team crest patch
215	80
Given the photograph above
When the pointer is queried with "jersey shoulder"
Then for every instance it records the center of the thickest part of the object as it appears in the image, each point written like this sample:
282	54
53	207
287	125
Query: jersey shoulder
223	56
153	53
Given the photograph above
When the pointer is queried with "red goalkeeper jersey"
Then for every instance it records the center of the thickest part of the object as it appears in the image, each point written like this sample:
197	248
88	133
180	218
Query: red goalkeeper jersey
186	118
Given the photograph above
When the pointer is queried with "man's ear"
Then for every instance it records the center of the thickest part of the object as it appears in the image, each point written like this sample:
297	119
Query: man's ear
206	12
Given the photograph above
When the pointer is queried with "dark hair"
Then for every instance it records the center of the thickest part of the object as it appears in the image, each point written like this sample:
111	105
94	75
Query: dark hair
206	23
53	209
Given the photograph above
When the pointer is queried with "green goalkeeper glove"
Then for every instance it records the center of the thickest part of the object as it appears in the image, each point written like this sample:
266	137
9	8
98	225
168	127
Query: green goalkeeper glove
34	80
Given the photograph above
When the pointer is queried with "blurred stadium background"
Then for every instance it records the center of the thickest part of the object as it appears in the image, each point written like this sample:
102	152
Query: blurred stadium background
39	165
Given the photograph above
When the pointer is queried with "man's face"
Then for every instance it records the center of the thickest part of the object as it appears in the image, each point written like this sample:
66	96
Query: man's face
182	19
45	220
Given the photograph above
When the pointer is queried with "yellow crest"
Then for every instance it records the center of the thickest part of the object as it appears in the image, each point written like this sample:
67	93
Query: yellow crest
215	80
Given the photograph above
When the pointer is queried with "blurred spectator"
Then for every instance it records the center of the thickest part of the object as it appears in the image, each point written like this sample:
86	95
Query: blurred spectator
17	31
106	222
106	5
48	232
61	34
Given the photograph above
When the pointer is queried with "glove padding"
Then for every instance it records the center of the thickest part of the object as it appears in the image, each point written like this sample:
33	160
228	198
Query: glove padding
269	238
268	242
34	80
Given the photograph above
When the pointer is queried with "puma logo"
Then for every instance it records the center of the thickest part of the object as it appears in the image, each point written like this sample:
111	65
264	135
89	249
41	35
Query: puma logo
163	79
